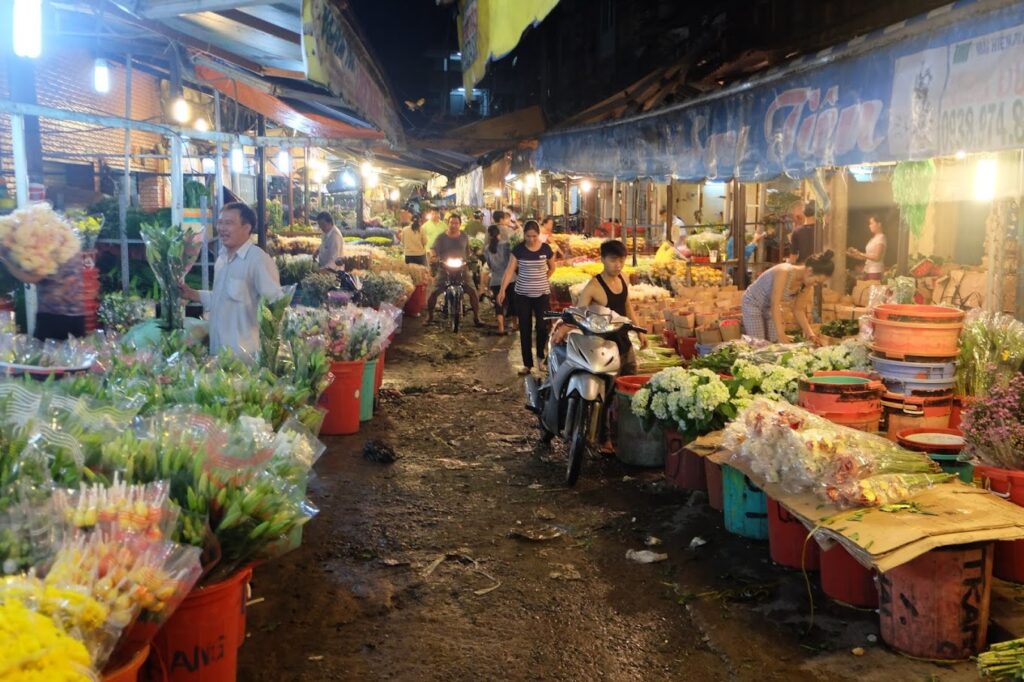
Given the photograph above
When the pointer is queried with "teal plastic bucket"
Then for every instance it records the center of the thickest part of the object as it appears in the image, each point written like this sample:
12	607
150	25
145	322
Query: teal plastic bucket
635	445
366	392
951	465
745	506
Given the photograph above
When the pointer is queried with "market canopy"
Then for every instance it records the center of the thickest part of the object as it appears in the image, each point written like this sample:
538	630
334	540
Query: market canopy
934	85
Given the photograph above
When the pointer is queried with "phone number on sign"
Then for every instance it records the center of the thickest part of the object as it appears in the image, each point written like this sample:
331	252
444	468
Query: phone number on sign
981	127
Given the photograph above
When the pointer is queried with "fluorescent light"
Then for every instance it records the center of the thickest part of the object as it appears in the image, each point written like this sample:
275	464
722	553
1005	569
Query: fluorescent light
101	76
181	111
202	125
284	161
985	180
237	159
28	28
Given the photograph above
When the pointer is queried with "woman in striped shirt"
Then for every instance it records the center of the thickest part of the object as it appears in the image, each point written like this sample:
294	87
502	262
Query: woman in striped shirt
531	264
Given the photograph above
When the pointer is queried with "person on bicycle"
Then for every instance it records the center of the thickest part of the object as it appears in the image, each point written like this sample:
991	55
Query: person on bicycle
453	244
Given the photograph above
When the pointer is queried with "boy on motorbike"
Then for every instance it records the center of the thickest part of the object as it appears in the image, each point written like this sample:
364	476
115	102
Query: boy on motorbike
453	244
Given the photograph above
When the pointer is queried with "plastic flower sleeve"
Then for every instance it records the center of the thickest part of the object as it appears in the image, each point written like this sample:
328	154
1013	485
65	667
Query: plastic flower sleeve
143	509
171	252
296	450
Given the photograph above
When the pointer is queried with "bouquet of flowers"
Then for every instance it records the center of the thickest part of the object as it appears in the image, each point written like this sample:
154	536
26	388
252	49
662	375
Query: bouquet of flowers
783	444
648	292
691	401
35	242
991	351
88	226
773	382
120	313
171	251
993	426
385	287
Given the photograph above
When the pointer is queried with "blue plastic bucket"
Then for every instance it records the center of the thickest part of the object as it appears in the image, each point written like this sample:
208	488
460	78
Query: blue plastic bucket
910	378
705	348
745	506
366	392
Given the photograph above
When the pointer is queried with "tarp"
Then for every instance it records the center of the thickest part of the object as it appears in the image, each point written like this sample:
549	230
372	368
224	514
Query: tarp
469	188
490	29
934	85
337	59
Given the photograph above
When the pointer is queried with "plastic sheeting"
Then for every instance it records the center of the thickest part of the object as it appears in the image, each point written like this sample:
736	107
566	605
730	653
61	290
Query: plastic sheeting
941	83
469	188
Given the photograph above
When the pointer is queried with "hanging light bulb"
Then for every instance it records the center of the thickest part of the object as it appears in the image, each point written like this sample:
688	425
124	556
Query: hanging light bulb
284	161
395	195
585	186
180	110
237	159
366	169
371	180
202	125
101	76
28	28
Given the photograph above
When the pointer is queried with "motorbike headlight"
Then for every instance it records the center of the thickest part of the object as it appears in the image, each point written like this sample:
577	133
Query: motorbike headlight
453	262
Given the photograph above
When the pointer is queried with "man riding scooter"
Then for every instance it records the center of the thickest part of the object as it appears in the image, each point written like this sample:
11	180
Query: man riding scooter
453	244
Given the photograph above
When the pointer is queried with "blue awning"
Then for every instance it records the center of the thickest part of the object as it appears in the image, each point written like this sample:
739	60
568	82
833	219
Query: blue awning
948	81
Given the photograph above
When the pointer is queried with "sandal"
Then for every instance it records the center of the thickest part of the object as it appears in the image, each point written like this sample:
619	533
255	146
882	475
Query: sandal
525	370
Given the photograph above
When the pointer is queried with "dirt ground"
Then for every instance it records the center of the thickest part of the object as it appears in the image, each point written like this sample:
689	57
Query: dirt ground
468	560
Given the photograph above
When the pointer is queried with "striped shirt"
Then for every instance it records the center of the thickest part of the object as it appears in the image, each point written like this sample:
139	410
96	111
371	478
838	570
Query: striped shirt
532	277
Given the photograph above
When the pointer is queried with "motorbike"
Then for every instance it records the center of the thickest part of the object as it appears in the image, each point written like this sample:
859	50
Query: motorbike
349	284
572	399
454	291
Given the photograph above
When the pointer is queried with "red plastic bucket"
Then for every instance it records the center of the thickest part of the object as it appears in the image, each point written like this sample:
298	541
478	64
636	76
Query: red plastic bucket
417	301
845	580
687	347
1009	556
200	641
341	399
669	337
684	468
713	476
129	671
937	605
630	384
786	538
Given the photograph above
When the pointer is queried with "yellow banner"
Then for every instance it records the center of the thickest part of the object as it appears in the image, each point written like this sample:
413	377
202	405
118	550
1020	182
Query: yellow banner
490	29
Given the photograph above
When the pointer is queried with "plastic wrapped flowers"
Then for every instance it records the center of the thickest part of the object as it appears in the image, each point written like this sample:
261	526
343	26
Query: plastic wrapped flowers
783	444
36	241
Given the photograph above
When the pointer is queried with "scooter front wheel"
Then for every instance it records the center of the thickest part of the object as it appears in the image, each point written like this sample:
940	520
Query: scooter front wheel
578	436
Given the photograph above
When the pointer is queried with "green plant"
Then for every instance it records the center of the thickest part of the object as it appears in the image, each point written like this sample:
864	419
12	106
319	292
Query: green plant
275	215
194	192
315	287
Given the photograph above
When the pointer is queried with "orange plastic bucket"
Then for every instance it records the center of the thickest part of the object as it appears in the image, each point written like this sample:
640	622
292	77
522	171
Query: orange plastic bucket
630	384
903	412
867	421
845	580
786	539
200	641
937	605
916	331
129	671
341	399
904	312
1009	556
841	392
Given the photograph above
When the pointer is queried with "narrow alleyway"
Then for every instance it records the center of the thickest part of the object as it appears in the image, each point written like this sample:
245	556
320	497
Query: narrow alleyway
468	560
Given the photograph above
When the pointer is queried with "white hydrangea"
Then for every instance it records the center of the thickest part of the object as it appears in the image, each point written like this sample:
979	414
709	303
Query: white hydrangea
641	403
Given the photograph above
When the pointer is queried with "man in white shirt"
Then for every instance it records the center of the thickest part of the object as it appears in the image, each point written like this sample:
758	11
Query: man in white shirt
243	274
333	244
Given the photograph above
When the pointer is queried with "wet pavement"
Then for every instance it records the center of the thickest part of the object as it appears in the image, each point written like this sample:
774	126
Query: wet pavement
468	560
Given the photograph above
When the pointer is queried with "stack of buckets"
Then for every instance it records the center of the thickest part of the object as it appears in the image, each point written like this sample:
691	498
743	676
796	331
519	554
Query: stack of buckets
852	399
914	351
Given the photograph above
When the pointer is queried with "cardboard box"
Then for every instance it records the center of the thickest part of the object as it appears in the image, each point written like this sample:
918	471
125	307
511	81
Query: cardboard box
730	332
709	337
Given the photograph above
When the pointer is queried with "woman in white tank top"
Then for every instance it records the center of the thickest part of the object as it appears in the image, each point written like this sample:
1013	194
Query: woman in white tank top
873	254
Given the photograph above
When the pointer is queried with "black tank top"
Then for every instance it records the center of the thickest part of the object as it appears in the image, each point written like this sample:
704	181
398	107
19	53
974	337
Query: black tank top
616	302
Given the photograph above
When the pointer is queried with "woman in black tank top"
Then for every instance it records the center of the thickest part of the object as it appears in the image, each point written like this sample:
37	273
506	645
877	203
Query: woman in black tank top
616	302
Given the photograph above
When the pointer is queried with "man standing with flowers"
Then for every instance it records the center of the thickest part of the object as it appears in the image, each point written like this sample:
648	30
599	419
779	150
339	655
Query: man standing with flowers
243	274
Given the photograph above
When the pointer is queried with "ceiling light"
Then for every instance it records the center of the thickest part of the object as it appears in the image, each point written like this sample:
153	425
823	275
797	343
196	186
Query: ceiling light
366	169
202	125
237	159
101	76
395	195
28	28
181	111
284	161
585	186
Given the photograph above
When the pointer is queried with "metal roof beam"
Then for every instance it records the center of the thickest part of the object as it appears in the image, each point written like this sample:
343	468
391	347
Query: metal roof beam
261	25
162	9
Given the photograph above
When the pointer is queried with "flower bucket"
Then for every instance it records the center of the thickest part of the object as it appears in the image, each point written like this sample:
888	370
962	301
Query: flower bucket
1009	557
341	399
366	390
713	475
635	445
937	605
845	580
200	641
128	671
682	467
417	301
903	412
841	393
787	538
687	347
745	506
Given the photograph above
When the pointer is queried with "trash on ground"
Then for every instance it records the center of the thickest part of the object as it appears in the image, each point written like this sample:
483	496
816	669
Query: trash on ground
535	534
645	556
697	541
381	453
652	541
565	572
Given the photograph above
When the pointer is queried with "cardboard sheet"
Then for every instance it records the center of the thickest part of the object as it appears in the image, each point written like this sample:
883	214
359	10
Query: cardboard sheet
955	514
